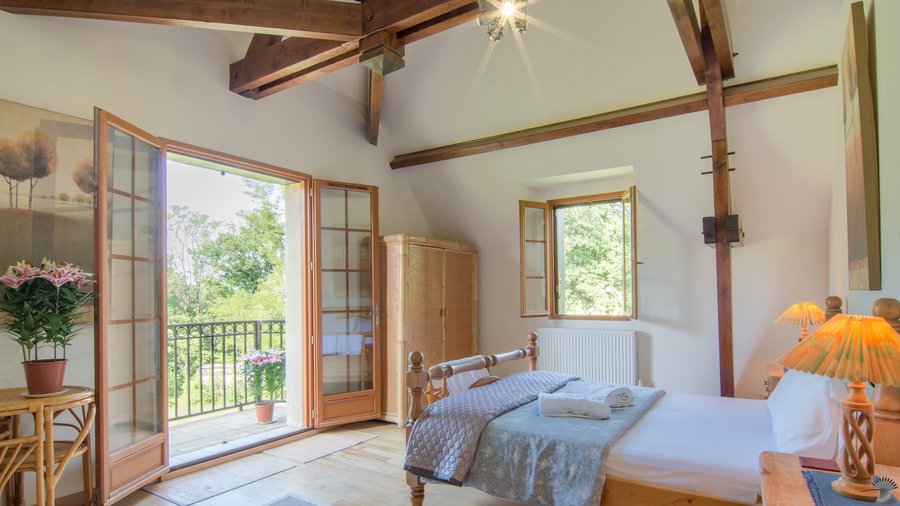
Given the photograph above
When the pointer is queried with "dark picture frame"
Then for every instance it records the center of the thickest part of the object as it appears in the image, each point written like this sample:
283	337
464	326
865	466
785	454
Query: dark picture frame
861	151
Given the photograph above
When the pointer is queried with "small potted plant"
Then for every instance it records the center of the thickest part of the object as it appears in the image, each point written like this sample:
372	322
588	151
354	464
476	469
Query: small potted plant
40	307
264	372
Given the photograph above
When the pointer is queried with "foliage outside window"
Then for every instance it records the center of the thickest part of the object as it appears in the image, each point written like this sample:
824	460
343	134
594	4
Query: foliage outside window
590	253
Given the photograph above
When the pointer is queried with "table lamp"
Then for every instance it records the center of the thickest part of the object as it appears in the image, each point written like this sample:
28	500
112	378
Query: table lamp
803	314
860	349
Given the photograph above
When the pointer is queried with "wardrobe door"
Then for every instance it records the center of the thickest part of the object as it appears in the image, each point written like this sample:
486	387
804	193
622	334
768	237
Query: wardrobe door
424	282
459	295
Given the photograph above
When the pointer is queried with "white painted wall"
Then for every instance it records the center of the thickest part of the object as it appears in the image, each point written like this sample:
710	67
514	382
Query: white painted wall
884	15
787	149
173	82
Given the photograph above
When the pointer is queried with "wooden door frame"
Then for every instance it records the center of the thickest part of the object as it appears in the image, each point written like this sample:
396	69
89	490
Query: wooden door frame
105	460
315	355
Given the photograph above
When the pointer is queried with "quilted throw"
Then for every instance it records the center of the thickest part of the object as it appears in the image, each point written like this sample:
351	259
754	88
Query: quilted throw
444	439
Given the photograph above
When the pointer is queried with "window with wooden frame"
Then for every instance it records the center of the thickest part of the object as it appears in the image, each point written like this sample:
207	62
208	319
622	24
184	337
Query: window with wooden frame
578	257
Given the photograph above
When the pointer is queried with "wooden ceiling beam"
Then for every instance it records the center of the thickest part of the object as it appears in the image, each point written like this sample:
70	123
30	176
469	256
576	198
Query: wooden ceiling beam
733	95
261	41
375	96
714	19
292	62
285	58
689	30
398	15
320	19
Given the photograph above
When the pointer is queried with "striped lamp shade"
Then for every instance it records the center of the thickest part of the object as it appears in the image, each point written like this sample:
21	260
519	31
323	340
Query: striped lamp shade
850	347
802	313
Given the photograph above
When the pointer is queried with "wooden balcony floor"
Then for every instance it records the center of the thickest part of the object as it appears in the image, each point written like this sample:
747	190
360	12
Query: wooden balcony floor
203	436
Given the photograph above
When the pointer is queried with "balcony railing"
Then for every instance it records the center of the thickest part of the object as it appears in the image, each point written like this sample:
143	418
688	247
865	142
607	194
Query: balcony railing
206	373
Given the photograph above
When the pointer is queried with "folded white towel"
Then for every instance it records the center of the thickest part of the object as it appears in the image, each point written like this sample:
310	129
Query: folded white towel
616	396
562	404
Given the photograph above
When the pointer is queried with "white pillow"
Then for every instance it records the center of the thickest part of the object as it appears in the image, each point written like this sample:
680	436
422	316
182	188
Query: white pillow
462	381
806	414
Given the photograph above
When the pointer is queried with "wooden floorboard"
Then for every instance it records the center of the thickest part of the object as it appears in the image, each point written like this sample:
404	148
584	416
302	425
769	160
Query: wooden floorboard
361	475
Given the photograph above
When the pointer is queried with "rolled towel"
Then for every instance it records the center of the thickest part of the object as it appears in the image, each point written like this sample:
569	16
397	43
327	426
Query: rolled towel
616	396
562	404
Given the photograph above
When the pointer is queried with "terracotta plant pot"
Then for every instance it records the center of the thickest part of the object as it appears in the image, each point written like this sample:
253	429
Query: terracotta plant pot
265	412
44	376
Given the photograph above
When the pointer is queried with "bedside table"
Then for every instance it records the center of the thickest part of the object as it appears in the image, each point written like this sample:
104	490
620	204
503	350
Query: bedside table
774	373
784	485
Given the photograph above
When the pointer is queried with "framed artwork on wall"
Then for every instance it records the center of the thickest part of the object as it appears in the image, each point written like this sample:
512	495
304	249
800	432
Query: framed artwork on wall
47	186
863	206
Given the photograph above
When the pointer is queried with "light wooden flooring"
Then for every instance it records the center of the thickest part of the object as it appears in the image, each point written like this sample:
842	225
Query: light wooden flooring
370	473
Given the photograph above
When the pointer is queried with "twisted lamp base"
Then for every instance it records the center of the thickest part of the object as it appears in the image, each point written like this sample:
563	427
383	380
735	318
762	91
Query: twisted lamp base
857	458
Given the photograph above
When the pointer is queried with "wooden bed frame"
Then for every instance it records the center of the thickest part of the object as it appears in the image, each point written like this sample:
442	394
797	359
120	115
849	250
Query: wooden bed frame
618	492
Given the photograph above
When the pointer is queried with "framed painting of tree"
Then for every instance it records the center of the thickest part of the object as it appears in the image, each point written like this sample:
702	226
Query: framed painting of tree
46	186
861	151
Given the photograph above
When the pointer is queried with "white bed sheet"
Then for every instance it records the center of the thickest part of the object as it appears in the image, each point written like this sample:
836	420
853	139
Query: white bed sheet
701	444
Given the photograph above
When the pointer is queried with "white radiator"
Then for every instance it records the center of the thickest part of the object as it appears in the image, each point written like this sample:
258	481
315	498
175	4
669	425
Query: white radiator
602	355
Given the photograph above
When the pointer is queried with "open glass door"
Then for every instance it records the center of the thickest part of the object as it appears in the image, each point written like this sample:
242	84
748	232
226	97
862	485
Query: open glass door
346	341
130	351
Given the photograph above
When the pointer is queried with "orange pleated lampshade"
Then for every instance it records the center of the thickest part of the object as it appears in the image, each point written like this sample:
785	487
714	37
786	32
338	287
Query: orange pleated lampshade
802	313
850	347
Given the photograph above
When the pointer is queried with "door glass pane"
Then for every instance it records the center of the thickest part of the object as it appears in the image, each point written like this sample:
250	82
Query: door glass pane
359	210
334	290
359	252
346	291
119	147
120	225
146	170
146	345
334	249
146	229
121	418
120	306
120	353
332	209
146	297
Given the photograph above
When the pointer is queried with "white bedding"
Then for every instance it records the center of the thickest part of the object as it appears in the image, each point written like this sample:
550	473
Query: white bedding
695	443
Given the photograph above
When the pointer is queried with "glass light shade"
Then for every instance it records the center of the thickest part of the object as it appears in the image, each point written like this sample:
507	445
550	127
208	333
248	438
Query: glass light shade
850	347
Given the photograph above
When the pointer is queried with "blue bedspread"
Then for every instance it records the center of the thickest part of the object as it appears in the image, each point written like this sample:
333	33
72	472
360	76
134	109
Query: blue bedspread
531	459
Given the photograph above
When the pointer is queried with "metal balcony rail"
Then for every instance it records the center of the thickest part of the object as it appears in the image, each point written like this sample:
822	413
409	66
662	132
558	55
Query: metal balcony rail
206	373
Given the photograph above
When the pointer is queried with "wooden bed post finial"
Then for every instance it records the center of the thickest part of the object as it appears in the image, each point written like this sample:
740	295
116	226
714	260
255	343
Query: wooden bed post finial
833	306
532	345
416	379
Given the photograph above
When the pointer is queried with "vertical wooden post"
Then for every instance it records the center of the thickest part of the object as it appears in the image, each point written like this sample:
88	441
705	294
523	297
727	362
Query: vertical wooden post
722	204
416	378
532	345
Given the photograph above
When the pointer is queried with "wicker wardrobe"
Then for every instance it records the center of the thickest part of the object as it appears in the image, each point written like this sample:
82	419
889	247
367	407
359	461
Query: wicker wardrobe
429	303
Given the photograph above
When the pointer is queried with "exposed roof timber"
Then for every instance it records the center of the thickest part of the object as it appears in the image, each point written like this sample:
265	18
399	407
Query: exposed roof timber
714	19
788	84
292	62
398	15
375	95
320	19
689	30
284	58
261	41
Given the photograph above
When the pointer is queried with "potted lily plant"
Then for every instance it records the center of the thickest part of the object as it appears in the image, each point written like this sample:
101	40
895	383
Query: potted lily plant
40	307
264	373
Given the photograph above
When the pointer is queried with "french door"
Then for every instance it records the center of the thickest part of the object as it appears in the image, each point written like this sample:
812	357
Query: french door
346	342
132	442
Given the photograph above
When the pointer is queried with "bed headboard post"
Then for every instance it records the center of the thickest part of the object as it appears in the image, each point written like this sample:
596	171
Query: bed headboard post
887	398
533	347
416	379
833	307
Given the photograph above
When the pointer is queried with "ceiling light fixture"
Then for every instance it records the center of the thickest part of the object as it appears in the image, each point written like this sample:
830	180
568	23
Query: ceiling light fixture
496	14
